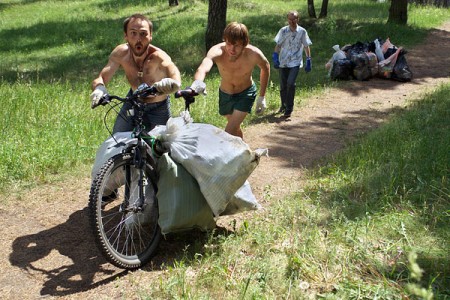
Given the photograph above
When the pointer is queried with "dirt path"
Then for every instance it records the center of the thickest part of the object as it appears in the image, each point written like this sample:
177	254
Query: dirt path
49	251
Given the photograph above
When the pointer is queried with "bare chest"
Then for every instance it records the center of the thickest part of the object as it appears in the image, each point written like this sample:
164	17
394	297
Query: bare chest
146	71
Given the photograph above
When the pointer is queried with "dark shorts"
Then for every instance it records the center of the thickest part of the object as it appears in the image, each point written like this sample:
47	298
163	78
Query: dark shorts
242	101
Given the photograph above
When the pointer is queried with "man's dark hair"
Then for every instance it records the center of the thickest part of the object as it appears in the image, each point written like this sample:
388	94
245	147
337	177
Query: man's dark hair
137	16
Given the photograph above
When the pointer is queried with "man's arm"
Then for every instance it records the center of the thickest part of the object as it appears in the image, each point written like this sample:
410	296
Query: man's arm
308	51
277	48
264	75
169	66
173	72
207	63
108	71
98	84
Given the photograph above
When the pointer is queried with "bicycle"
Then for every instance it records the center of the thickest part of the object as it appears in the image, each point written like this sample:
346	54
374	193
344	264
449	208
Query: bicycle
122	200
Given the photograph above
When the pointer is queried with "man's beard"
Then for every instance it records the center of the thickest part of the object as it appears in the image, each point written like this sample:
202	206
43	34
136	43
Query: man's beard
139	49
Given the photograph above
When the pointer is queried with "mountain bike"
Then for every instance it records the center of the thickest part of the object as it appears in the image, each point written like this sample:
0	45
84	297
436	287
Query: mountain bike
122	200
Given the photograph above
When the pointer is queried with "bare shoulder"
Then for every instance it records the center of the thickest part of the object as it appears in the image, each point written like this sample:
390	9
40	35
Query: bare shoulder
255	53
158	53
252	50
216	51
120	53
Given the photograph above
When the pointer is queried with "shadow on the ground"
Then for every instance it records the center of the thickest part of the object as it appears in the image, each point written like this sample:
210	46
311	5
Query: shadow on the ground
82	263
301	144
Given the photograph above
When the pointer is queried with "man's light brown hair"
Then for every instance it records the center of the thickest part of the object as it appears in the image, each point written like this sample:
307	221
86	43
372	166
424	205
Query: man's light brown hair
236	32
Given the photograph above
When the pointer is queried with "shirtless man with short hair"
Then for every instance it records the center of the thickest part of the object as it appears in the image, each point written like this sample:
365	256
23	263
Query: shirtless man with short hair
142	63
236	59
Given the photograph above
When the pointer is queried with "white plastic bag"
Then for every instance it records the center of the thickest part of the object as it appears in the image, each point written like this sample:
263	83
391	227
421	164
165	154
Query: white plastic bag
242	200
110	147
378	51
220	162
181	204
337	55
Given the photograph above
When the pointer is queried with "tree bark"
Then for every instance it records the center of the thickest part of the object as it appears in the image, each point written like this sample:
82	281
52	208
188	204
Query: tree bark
311	9
217	16
398	12
324	9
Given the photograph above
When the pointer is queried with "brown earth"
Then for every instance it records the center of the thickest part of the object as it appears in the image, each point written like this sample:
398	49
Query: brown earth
48	246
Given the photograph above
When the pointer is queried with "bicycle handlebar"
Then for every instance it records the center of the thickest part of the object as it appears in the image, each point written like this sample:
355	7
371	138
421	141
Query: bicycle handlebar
189	96
188	92
144	91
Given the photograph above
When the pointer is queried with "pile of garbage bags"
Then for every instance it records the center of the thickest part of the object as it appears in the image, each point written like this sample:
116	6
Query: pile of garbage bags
363	61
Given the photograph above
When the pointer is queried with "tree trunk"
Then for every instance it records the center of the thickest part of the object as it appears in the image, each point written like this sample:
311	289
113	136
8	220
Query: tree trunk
311	9
324	9
217	16
173	2
398	12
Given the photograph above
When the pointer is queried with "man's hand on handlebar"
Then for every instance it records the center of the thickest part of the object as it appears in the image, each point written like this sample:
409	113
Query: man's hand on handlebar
189	93
167	86
99	96
199	87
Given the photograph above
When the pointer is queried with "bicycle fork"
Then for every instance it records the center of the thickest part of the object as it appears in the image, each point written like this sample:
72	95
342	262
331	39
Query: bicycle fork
139	155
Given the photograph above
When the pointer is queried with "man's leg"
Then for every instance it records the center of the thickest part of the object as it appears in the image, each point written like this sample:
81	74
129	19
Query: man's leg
124	122
234	123
290	90
284	73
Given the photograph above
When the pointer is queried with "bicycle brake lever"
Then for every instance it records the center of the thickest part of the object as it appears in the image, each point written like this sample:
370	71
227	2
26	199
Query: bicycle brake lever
105	99
144	90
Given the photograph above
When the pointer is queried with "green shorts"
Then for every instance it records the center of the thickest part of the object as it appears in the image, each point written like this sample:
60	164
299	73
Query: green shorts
242	101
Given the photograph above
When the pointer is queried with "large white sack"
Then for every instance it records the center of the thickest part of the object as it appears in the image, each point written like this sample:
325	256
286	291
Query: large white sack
241	201
220	162
181	204
110	147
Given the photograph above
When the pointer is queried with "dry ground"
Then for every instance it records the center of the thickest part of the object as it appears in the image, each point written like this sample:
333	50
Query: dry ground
47	243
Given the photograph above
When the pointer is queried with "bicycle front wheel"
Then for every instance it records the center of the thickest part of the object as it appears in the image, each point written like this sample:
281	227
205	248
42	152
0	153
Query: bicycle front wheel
126	232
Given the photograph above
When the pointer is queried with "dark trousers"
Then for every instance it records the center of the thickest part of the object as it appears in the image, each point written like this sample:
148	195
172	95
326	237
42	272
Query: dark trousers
287	88
154	114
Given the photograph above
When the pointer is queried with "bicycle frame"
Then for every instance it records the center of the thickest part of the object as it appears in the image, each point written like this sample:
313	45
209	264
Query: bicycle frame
125	222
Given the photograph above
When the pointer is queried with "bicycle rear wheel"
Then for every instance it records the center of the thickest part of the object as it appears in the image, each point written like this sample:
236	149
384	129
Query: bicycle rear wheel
127	237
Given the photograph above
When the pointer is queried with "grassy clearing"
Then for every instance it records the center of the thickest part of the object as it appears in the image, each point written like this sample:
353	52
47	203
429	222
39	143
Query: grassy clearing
372	223
51	56
347	235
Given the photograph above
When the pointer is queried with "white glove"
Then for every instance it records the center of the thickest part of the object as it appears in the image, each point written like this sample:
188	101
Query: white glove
97	95
167	86
199	87
261	105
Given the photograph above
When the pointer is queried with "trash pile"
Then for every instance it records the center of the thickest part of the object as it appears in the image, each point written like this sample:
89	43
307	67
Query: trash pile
363	61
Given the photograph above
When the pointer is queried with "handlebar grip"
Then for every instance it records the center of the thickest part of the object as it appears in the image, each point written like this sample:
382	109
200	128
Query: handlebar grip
105	99
188	92
147	91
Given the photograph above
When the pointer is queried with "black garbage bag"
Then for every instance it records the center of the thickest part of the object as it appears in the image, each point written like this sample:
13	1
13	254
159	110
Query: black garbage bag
357	48
401	71
342	69
362	69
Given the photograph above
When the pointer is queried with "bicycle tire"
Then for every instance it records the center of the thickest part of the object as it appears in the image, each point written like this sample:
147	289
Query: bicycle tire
127	239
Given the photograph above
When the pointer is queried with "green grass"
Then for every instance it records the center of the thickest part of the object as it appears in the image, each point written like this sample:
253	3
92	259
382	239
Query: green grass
345	236
50	56
349	233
